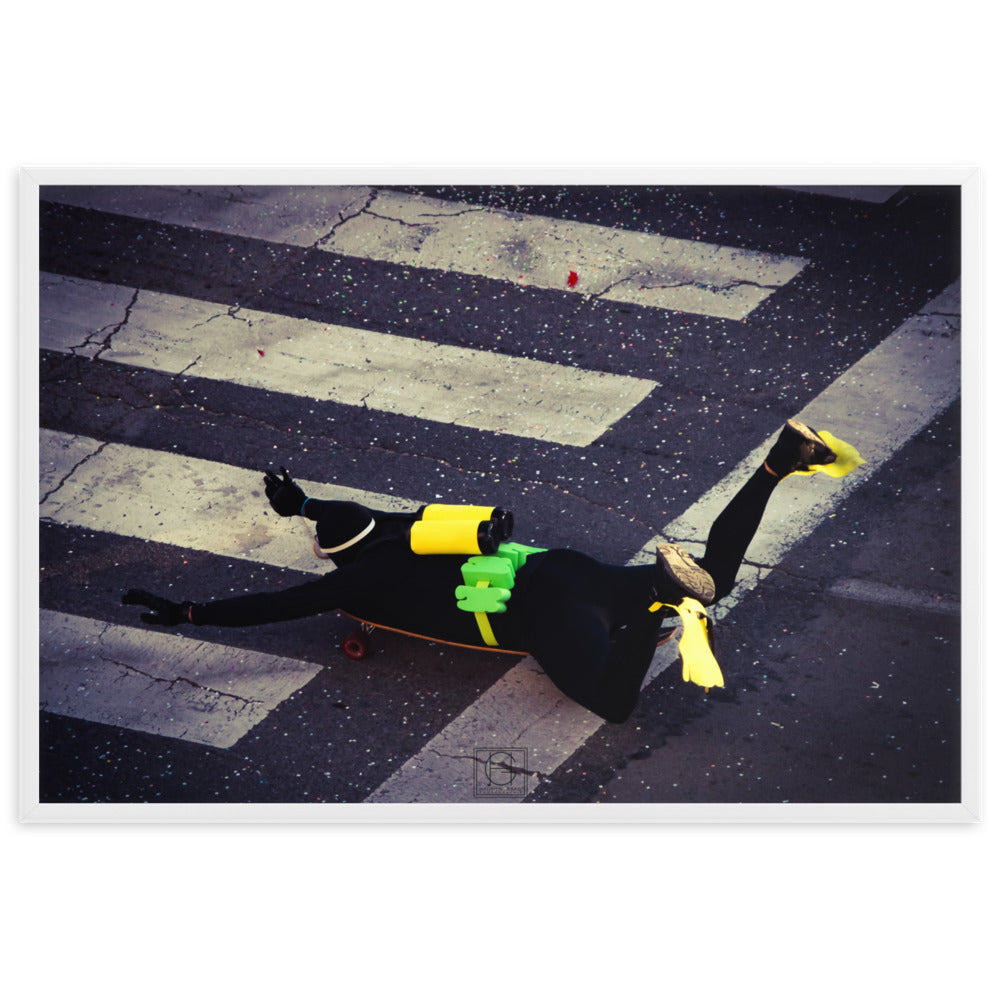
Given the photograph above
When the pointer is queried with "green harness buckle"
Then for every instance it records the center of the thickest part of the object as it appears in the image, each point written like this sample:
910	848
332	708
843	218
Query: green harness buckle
488	582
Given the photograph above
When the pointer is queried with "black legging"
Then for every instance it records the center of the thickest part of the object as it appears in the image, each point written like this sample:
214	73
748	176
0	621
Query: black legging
597	637
733	530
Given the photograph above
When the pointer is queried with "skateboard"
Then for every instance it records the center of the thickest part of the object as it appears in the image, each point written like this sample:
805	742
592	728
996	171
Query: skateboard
357	645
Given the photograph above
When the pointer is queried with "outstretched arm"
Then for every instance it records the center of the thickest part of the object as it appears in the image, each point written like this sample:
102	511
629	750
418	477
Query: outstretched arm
326	593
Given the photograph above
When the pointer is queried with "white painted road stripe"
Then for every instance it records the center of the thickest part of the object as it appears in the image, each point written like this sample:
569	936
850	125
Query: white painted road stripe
177	500
878	405
871	592
296	216
159	683
616	264
416	378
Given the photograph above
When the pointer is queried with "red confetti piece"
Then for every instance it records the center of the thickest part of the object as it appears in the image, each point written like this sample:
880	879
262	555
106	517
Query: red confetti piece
260	352
572	279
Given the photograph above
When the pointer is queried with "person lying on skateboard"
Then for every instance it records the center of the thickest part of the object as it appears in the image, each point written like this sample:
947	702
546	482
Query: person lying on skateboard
591	626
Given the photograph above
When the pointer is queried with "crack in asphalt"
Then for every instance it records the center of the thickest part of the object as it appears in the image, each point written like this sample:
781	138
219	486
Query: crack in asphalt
400	222
62	482
512	769
231	312
105	343
535	722
130	668
366	209
344	219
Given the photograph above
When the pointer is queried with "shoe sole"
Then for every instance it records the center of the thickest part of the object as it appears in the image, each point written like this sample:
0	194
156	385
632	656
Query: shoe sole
680	567
810	435
807	432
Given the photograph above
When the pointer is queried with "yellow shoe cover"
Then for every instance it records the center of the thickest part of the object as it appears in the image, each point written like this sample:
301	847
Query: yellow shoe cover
846	461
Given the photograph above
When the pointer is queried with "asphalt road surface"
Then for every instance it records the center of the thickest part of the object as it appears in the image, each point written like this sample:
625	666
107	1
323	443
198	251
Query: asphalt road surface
608	363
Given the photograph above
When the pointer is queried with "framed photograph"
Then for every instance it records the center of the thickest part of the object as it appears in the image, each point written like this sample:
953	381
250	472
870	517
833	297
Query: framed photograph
513	496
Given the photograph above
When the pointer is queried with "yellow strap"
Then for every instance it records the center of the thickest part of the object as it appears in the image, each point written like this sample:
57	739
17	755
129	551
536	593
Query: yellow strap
483	621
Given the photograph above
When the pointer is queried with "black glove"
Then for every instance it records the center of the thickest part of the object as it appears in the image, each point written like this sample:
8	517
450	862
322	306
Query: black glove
286	498
164	612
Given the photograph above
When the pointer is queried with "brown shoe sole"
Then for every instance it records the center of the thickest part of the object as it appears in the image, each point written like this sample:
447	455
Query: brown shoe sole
679	566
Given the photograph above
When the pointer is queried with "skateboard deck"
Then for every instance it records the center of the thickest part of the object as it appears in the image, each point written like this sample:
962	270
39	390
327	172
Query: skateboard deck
357	645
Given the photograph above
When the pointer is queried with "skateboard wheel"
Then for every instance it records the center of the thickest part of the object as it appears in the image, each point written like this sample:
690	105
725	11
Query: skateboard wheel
355	646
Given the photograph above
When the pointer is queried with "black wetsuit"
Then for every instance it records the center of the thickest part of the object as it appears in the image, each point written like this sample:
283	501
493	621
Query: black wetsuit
585	622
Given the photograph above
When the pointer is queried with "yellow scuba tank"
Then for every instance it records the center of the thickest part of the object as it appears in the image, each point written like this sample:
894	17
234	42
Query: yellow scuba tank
429	538
460	529
502	519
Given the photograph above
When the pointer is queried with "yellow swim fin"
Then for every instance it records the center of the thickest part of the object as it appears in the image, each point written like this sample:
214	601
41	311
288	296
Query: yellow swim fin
698	663
846	461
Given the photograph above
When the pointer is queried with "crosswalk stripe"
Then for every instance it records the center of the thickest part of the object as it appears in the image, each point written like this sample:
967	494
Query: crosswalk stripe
298	216
876	414
160	683
457	385
870	592
615	264
178	500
